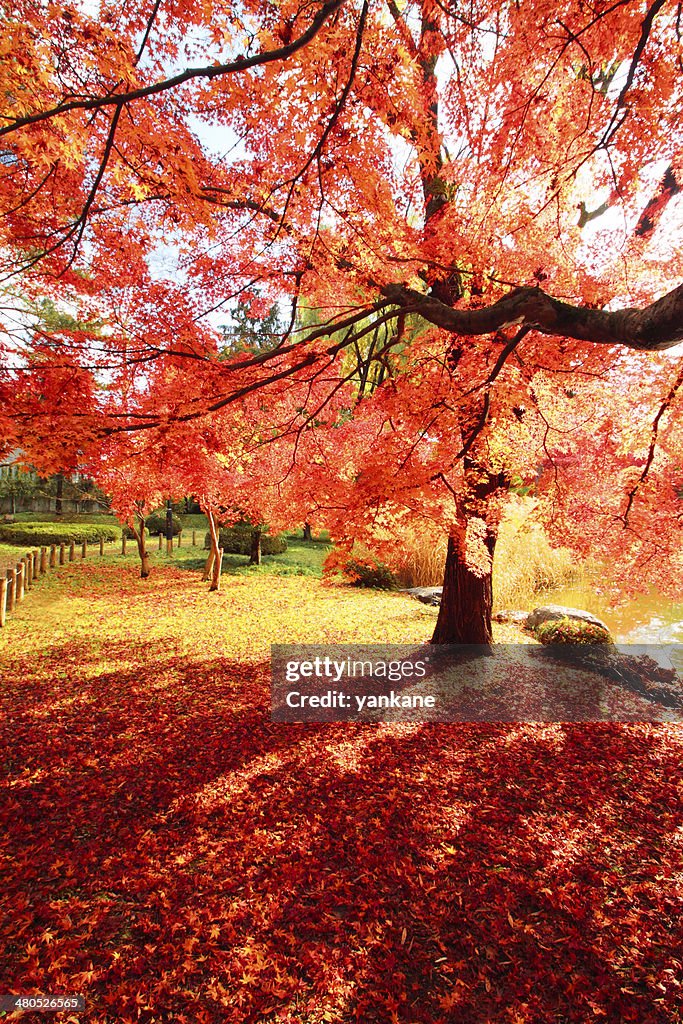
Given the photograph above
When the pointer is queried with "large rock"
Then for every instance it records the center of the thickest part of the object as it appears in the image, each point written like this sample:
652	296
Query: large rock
508	615
552	612
428	595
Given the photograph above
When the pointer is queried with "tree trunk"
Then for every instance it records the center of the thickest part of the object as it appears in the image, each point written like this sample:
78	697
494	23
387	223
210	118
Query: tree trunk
308	532
214	562
59	493
139	531
467	599
169	528
208	564
466	602
255	558
145	565
216	575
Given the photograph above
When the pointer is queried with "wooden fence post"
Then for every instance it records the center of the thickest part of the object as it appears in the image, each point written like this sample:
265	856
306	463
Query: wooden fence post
62	554
28	570
123	543
101	547
11	589
84	549
21	569
161	540
53	555
194	538
43	561
36	563
72	550
3	601
180	537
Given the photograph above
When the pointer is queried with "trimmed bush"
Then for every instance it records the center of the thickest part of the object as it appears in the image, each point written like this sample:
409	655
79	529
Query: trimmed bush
37	534
156	523
275	545
127	531
571	631
236	540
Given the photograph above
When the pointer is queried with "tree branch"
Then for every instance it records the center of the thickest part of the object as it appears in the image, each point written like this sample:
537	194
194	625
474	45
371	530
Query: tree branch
209	72
669	187
664	407
657	327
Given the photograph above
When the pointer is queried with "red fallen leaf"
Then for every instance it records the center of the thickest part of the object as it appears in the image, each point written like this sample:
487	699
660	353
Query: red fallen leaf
273	869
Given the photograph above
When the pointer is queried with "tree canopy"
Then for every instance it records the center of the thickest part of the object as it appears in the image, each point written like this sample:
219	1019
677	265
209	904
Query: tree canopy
467	216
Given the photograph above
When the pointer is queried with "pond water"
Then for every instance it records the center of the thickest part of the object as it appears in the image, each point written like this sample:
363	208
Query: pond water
646	619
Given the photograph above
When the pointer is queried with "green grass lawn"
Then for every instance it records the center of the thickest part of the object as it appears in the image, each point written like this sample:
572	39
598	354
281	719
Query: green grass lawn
302	558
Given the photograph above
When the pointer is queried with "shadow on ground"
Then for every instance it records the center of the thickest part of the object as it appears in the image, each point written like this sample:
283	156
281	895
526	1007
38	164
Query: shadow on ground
174	855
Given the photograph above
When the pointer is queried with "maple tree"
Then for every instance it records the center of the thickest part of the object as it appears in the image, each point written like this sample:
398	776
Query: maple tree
137	485
508	174
212	464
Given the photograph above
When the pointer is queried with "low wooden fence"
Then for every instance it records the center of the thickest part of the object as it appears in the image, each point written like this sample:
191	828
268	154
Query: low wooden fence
19	578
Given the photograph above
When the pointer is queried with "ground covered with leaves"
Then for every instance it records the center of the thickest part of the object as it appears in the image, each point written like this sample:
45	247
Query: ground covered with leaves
176	857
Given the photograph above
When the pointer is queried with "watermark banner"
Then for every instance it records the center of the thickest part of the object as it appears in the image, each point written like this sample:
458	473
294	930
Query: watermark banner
467	683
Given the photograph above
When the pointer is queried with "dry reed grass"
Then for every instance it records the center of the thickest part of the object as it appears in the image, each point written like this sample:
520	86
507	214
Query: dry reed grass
525	564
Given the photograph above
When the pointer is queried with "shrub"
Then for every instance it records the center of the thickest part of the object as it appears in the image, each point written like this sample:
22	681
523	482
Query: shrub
275	545
361	570
236	540
156	523
370	573
37	534
572	631
127	531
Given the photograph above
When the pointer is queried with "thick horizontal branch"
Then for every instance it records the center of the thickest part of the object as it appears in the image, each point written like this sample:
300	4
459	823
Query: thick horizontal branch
656	327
